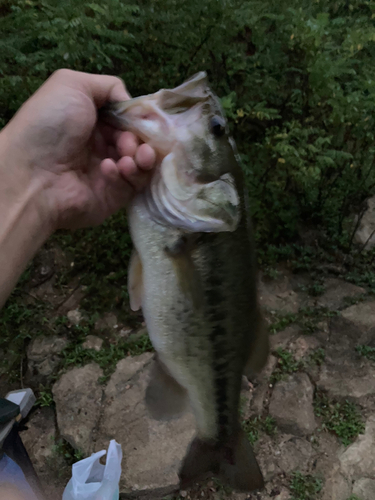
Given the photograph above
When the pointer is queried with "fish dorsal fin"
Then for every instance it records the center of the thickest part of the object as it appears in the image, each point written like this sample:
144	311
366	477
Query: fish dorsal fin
135	281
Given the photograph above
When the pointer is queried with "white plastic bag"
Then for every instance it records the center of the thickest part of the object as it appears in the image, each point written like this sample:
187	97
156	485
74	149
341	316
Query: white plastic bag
93	481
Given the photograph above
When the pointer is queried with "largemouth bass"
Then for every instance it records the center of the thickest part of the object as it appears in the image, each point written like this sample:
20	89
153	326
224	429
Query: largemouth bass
193	274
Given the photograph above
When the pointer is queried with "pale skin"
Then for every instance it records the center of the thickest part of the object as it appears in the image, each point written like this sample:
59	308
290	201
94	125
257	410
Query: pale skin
61	168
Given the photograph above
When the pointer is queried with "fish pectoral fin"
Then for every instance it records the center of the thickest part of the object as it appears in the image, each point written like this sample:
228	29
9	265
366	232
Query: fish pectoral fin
165	397
135	281
233	463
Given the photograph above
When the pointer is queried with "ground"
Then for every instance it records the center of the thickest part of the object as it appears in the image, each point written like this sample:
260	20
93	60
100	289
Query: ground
310	415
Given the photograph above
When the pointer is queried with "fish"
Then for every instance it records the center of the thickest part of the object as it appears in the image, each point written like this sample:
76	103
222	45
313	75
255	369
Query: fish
193	274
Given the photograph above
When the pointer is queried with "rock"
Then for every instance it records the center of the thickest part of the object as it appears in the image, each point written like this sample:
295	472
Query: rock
365	234
125	332
364	489
336	292
343	375
283	495
107	321
152	450
74	316
262	386
358	460
78	396
39	438
282	339
291	405
93	342
346	335
303	345
43	354
74	299
295	454
266	454
336	485
278	295
362	314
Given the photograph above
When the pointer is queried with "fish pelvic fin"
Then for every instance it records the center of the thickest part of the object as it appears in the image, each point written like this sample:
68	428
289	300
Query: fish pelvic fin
135	281
233	463
165	397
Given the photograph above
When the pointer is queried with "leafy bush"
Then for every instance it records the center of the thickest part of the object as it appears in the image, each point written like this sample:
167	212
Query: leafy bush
297	80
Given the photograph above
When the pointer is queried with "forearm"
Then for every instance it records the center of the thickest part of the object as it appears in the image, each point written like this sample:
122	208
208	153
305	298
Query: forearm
23	228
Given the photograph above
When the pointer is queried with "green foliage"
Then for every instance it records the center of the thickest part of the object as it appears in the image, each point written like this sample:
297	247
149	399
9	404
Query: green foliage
296	80
304	487
65	450
45	398
286	364
343	419
19	322
108	357
253	426
366	351
308	318
99	257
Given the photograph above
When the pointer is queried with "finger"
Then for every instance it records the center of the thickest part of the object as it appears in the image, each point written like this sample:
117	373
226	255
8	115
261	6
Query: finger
127	144
145	157
132	174
116	190
110	171
100	88
103	88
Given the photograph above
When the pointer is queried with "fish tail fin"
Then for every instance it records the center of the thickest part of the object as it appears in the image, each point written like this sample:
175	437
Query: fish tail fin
233	463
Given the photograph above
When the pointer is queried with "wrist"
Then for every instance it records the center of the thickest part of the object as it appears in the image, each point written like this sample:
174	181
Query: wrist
22	190
24	225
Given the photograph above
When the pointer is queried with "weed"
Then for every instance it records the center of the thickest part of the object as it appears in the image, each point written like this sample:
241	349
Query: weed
366	351
253	426
286	364
282	322
304	487
100	259
65	450
19	322
45	398
315	289
343	419
317	357
307	318
108	357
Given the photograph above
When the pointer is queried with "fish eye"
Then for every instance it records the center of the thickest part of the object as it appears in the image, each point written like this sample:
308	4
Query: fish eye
217	126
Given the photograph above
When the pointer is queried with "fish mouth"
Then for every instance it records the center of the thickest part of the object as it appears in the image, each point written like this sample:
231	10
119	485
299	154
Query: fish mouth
155	118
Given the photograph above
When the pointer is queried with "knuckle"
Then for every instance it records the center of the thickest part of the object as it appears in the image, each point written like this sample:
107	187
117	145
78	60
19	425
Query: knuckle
62	73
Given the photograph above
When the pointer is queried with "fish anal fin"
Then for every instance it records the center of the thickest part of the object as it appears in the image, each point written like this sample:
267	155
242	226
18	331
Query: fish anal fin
233	463
135	281
165	397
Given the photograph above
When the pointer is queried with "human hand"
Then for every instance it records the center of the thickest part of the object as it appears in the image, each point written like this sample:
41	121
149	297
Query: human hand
82	170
